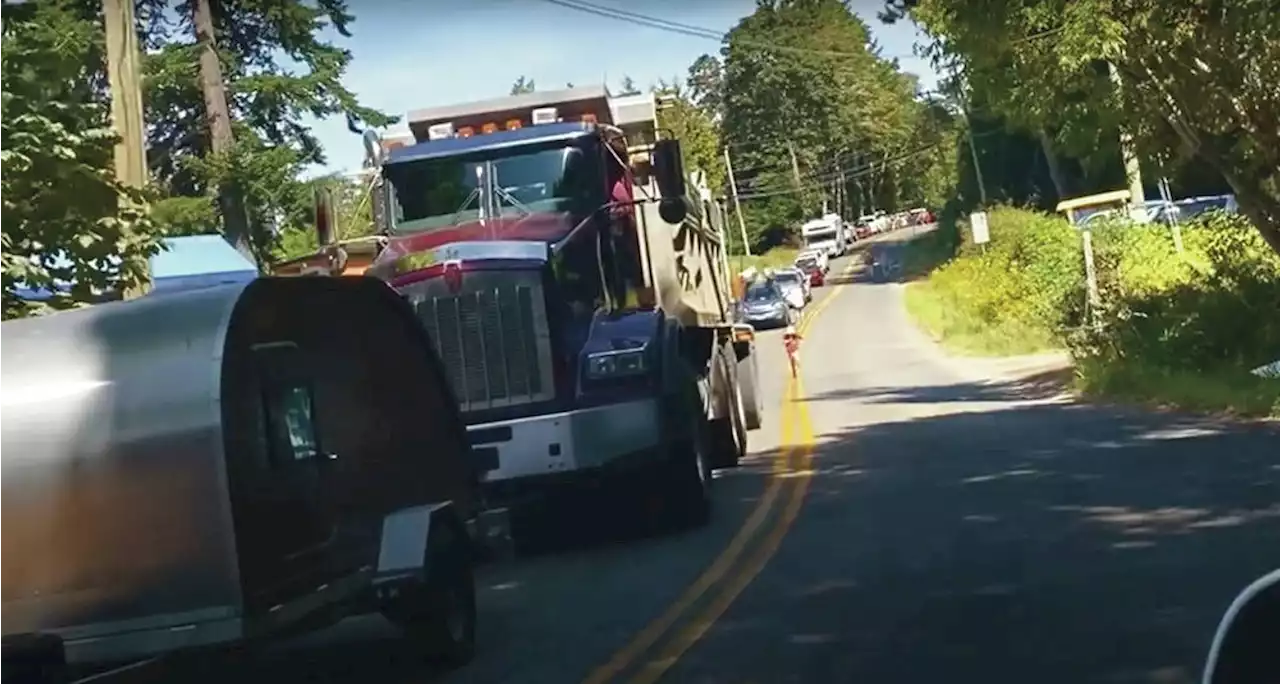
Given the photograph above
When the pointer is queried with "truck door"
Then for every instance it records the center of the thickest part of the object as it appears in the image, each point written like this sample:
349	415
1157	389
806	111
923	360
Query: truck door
297	520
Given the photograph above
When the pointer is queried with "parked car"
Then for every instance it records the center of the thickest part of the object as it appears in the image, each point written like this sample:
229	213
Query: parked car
812	270
794	285
764	306
824	260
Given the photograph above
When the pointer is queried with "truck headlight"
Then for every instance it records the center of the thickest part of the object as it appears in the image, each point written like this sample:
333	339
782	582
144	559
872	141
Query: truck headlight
616	364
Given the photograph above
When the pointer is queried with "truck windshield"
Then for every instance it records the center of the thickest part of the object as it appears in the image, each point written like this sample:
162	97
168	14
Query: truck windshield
440	193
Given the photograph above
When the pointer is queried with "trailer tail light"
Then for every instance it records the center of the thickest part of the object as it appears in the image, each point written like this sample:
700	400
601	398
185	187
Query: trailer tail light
489	128
466	132
513	124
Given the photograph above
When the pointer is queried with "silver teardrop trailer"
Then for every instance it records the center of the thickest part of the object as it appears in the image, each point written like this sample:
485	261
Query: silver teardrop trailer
227	465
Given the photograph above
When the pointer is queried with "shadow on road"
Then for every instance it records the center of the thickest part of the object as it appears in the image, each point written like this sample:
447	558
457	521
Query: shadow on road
1041	542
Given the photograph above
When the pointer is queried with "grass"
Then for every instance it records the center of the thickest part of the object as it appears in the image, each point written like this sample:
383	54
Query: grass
925	253
774	258
1229	392
963	334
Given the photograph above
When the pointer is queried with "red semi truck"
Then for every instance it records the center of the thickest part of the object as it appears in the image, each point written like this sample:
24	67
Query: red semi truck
574	281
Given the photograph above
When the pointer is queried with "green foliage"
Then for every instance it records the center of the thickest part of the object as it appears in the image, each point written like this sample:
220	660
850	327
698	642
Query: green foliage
1014	295
523	85
1168	319
1217	306
66	218
628	87
705	81
186	216
277	68
849	115
699	138
353	211
1197	80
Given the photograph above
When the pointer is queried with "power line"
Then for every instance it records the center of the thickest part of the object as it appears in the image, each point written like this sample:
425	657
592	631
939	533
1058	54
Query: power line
701	32
852	173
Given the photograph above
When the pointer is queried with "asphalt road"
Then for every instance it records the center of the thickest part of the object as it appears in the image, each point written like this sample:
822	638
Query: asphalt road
901	519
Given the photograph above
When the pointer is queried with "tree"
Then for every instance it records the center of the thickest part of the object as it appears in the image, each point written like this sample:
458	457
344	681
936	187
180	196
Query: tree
69	226
848	115
1198	78
266	101
353	213
697	133
523	85
705	82
628	87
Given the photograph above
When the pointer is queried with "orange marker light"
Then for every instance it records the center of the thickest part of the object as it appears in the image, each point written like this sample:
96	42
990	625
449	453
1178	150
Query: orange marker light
489	128
513	124
466	132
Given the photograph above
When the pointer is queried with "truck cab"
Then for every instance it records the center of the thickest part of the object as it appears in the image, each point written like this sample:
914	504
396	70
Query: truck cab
578	300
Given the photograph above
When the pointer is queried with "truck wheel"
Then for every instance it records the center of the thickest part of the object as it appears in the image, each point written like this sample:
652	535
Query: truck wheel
690	482
728	437
439	617
752	409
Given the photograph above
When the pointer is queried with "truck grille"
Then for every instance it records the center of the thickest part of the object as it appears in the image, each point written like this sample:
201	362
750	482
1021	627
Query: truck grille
494	343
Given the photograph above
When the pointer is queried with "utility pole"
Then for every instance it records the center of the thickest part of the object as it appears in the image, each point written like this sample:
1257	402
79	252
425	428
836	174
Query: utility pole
737	206
235	220
124	78
795	164
973	143
1132	167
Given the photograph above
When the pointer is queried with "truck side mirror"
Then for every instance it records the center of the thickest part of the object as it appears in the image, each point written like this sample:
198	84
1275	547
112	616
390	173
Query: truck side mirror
324	210
668	169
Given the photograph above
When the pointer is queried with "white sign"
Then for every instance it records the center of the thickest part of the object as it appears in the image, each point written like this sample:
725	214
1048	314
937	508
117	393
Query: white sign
978	224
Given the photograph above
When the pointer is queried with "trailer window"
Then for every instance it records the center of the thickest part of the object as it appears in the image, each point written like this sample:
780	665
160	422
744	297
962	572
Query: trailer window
295	410
288	404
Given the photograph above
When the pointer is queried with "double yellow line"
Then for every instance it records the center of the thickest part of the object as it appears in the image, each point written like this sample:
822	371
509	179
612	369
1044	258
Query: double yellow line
729	574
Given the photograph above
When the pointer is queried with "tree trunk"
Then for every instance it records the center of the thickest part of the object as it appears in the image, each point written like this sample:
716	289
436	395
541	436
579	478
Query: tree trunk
1055	165
235	219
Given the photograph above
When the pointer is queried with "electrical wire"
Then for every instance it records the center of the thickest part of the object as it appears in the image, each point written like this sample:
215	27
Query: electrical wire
658	23
845	175
700	32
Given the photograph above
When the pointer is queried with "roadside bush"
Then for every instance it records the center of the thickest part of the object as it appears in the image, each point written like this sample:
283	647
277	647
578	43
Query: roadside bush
1182	328
1216	304
1009	296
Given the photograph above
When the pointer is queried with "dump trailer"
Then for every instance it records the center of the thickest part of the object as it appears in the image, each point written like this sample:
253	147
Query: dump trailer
577	289
228	464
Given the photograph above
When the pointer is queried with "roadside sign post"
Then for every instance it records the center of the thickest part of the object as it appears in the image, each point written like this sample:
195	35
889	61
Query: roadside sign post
980	229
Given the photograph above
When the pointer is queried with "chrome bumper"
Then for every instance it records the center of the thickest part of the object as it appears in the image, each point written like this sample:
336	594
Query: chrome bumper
581	439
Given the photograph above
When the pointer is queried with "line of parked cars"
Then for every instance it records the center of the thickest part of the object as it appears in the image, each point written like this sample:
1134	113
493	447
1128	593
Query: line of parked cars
776	297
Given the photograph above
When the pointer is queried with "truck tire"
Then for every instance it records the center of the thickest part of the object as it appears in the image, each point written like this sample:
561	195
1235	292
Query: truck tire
748	384
728	434
688	482
439	617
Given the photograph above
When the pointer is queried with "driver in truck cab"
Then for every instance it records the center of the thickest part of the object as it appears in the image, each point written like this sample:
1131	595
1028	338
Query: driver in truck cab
625	232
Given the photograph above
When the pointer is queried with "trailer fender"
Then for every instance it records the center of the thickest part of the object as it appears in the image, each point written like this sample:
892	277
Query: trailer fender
402	553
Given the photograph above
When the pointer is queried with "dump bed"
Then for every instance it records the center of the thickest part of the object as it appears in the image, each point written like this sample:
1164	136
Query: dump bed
688	264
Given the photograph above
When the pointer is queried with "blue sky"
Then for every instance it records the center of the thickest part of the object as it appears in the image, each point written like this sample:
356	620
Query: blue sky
410	54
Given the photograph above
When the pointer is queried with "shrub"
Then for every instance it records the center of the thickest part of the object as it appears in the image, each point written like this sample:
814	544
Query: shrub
1216	305
1017	291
